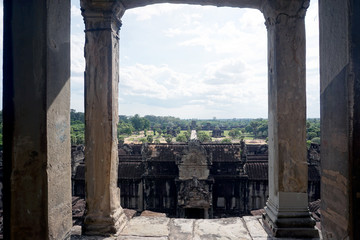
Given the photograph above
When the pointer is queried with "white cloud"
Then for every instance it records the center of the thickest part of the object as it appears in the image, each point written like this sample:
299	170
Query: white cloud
238	36
222	73
75	11
146	13
230	77
312	61
160	86
77	57
77	53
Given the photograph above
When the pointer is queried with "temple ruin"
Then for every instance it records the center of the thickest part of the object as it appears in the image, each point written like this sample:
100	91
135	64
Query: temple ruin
195	180
36	112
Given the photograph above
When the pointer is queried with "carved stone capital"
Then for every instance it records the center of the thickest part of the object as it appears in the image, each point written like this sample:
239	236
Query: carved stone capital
102	15
279	11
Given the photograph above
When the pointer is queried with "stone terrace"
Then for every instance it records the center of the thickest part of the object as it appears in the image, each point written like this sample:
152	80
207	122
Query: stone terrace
162	228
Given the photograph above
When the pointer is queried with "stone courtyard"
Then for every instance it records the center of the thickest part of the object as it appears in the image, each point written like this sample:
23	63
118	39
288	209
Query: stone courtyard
163	228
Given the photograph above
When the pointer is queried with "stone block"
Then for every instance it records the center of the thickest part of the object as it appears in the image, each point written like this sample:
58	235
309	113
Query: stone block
224	228
254	227
181	229
147	227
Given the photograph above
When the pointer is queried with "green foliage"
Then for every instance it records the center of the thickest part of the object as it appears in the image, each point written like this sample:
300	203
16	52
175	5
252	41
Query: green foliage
234	133
187	134
139	123
316	140
203	137
311	135
125	128
76	117
181	138
312	128
150	138
168	138
143	140
308	143
77	134
226	140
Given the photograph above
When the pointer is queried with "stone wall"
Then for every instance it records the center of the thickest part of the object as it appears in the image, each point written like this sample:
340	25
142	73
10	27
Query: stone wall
233	178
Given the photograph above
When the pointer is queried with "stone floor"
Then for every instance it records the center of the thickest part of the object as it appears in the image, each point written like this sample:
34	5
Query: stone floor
162	228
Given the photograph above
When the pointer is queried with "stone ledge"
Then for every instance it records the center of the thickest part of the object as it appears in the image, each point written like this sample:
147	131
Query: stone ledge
162	228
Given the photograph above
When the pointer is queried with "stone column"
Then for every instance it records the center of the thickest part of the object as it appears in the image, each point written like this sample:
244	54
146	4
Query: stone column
104	214
36	115
287	212
340	118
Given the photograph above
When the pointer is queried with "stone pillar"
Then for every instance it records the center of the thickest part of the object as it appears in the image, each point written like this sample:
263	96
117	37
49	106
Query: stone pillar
36	115
287	212
104	214
340	118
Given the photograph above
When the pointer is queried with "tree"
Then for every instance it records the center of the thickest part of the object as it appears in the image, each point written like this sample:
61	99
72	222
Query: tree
311	135
226	140
181	138
234	133
187	134
139	123
159	131
315	140
136	122
168	138
150	138
203	137
143	140
125	128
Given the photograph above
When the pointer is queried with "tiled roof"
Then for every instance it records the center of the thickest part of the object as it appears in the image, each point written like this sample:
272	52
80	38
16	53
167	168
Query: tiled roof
256	170
259	171
131	170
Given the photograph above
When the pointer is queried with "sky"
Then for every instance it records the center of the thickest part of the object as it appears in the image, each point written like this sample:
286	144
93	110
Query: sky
192	61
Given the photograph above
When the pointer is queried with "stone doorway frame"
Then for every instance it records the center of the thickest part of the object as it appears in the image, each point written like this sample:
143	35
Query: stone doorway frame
37	105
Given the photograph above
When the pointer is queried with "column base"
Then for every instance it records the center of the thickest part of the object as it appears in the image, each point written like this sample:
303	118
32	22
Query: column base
104	226
291	224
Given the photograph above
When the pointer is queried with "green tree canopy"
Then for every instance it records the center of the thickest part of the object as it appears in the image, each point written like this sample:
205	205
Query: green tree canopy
203	137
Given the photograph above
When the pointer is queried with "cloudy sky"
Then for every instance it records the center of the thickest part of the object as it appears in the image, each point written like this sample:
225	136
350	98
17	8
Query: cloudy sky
193	62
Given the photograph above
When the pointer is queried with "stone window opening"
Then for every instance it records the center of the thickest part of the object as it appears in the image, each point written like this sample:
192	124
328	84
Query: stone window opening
34	61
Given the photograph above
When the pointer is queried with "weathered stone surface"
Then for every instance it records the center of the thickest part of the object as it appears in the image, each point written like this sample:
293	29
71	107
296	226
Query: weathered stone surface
254	227
37	172
340	114
288	172
147	227
181	229
102	22
223	228
130	213
194	162
148	213
141	238
74	237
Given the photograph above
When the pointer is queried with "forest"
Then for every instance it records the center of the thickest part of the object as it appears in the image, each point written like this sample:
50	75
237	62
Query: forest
172	128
